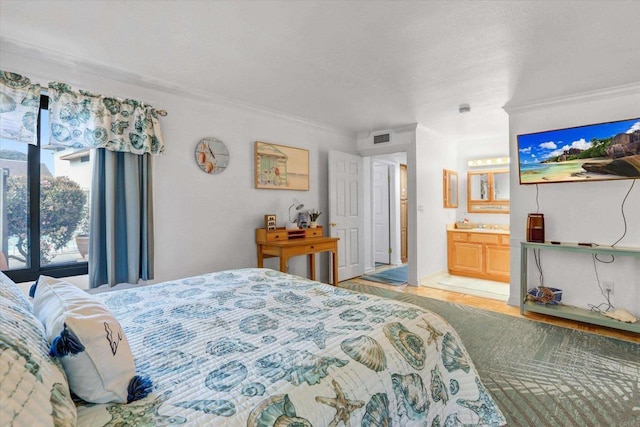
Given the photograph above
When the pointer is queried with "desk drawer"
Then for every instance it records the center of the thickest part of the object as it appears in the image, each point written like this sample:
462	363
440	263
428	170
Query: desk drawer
311	248
276	236
313	232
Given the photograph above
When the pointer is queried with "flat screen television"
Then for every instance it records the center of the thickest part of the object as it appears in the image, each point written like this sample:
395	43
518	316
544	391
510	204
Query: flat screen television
595	152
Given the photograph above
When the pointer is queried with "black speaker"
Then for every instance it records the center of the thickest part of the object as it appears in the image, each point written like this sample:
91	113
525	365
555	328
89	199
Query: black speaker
535	228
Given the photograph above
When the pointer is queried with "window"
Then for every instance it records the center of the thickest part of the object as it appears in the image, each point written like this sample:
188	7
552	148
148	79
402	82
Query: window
44	205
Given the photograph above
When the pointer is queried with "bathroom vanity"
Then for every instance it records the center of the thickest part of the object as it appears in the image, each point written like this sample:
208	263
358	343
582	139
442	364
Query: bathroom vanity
479	252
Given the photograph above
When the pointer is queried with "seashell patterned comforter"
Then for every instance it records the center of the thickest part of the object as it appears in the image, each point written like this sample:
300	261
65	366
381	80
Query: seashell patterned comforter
256	347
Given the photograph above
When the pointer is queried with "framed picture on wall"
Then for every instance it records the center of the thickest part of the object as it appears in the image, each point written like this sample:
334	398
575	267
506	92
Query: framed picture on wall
278	167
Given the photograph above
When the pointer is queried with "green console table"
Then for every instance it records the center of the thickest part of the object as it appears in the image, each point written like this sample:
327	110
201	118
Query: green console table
567	311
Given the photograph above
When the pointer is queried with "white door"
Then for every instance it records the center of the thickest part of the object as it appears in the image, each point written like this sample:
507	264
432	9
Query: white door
381	213
346	216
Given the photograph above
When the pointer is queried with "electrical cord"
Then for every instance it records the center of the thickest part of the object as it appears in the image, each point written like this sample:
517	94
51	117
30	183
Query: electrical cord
624	218
624	221
537	202
538	259
606	294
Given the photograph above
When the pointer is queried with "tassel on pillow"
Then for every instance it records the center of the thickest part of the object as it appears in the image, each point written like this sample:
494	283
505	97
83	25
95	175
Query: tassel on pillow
67	343
139	388
32	289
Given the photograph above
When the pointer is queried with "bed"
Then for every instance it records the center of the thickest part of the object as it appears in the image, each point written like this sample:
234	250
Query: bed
256	347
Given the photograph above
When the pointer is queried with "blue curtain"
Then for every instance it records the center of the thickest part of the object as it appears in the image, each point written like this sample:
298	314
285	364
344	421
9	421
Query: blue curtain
121	245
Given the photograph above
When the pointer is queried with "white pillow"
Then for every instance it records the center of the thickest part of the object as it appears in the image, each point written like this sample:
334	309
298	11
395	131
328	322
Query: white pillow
90	343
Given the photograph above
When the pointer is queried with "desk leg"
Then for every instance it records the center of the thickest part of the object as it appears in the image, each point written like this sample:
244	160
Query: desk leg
283	263
260	257
334	258
312	266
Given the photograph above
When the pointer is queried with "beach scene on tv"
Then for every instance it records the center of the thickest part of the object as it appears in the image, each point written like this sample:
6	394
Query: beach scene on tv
594	152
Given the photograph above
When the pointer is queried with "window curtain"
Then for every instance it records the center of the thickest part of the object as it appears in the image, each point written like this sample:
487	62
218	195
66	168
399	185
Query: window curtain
81	119
121	230
19	106
125	133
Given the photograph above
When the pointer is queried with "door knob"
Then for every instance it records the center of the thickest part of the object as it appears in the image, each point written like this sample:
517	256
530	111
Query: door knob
333	224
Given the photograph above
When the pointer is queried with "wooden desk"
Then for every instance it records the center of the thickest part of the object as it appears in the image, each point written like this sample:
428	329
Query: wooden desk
287	243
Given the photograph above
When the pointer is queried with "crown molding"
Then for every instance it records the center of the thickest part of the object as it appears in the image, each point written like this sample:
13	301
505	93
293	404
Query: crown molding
612	92
428	130
112	73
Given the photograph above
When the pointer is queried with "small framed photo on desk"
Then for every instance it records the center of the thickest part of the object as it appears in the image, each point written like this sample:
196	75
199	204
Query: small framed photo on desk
270	222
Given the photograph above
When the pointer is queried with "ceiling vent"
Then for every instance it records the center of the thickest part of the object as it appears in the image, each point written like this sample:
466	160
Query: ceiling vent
382	138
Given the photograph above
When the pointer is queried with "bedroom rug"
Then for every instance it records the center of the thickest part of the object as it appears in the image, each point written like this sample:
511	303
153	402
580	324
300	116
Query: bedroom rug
393	276
541	374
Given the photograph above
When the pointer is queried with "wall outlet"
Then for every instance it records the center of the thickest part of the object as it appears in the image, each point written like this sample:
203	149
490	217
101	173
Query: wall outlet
609	287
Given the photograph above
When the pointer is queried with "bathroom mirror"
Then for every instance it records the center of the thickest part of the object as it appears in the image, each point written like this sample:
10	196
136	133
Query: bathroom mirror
488	191
478	186
450	188
501	185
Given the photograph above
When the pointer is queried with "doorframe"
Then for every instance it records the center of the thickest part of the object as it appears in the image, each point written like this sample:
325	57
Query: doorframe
394	206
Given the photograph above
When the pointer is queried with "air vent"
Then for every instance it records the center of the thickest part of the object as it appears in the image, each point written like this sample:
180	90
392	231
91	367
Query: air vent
382	138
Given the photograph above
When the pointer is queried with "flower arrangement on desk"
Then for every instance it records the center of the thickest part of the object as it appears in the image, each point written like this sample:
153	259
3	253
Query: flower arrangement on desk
313	216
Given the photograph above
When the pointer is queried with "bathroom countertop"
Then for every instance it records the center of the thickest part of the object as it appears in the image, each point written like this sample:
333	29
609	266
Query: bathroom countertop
486	228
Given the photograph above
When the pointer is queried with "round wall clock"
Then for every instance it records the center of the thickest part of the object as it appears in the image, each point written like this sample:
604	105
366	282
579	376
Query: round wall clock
212	155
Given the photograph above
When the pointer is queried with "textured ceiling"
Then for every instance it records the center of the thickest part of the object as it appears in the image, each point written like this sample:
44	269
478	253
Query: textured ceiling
356	66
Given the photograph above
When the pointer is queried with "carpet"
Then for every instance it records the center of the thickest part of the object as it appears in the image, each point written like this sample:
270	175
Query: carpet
541	374
393	276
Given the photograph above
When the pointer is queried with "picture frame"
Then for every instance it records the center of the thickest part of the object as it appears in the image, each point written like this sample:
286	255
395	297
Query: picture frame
270	222
303	219
279	167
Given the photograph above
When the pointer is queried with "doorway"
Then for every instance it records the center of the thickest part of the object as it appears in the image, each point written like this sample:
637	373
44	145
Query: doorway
381	213
388	211
404	215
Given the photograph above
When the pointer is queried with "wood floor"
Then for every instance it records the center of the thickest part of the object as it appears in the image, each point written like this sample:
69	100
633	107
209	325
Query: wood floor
501	307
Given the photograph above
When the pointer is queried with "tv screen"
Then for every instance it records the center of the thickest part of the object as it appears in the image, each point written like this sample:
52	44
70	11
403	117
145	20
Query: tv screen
596	152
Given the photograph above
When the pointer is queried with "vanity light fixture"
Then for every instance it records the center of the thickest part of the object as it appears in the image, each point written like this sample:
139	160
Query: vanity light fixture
496	161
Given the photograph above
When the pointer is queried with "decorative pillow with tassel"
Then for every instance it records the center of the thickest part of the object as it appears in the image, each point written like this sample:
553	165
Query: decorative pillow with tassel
89	342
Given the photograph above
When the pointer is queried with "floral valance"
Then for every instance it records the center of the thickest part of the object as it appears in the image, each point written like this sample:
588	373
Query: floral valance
19	105
81	119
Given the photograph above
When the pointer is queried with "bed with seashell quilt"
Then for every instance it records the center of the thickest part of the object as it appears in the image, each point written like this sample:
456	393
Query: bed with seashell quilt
257	347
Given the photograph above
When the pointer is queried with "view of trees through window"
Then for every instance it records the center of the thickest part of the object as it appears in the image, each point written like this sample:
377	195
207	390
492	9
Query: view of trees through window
65	182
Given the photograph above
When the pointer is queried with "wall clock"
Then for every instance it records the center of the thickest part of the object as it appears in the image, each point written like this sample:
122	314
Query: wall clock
212	155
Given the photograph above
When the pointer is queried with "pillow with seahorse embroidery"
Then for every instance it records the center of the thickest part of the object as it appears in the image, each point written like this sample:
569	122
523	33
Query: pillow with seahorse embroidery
89	342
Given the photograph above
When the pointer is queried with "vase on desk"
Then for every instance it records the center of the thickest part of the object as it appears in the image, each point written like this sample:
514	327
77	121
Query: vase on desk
313	224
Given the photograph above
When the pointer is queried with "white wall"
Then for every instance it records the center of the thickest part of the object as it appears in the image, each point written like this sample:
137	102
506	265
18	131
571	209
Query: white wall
433	153
485	148
206	222
578	212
